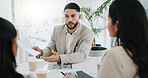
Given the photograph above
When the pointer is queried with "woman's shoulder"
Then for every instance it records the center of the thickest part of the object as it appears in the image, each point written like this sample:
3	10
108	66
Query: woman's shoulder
121	61
117	50
117	54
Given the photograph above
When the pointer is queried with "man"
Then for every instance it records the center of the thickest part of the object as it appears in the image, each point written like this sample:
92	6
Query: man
70	43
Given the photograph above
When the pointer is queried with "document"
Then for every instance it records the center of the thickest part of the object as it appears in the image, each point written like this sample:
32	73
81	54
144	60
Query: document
27	46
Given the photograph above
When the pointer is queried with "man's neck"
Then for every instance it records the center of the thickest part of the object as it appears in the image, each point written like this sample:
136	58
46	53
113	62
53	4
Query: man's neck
71	31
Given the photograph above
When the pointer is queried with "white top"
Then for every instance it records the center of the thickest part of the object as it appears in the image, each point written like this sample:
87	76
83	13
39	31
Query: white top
117	64
69	39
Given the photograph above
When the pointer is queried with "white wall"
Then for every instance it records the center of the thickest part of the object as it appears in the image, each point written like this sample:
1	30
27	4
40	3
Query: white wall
5	9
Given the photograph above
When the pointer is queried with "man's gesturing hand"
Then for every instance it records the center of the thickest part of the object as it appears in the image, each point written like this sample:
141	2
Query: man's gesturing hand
54	58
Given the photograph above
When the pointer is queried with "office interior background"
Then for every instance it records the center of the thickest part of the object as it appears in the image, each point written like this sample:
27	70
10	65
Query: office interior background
35	20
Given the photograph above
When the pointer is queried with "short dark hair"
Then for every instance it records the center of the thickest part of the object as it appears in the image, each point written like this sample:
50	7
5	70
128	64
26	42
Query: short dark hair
72	6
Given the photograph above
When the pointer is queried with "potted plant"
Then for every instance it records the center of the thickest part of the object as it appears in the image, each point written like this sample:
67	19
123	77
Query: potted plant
92	17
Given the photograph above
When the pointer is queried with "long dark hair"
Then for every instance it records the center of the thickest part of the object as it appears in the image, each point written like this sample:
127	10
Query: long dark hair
132	31
7	59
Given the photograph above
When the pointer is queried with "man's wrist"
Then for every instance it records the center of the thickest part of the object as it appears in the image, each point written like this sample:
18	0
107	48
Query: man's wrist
41	52
59	61
59	58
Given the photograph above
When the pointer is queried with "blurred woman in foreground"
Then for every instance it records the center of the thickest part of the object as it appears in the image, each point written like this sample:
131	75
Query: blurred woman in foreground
8	51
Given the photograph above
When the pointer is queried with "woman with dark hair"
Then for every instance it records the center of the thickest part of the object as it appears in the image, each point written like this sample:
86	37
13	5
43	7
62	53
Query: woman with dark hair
8	50
129	59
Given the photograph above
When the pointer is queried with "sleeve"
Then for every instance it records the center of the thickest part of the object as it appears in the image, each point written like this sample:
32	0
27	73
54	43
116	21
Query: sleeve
81	51
51	45
110	66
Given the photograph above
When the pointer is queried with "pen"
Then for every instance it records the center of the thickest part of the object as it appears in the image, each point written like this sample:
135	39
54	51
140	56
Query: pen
63	73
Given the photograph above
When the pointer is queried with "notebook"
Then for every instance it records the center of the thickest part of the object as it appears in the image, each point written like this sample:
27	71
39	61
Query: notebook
79	74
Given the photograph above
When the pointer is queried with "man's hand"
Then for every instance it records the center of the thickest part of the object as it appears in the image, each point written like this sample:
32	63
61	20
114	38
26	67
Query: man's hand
38	49
54	58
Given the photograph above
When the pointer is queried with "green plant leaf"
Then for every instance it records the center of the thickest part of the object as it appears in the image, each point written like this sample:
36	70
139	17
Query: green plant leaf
92	15
97	30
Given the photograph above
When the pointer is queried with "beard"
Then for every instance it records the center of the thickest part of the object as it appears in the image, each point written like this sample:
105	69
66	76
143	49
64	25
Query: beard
75	25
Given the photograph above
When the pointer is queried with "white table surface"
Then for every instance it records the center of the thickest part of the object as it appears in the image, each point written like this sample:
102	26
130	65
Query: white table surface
89	66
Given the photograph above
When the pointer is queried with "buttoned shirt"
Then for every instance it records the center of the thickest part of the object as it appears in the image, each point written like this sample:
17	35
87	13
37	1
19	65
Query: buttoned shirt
69	39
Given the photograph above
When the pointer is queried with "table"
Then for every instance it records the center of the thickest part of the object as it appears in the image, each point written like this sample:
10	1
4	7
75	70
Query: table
89	66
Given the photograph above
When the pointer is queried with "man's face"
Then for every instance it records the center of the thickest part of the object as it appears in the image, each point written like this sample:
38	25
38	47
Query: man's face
71	18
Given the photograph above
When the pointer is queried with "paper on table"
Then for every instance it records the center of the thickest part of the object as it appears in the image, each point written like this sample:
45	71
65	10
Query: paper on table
27	46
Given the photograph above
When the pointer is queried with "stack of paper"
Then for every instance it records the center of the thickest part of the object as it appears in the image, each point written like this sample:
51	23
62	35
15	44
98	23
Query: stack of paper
27	46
